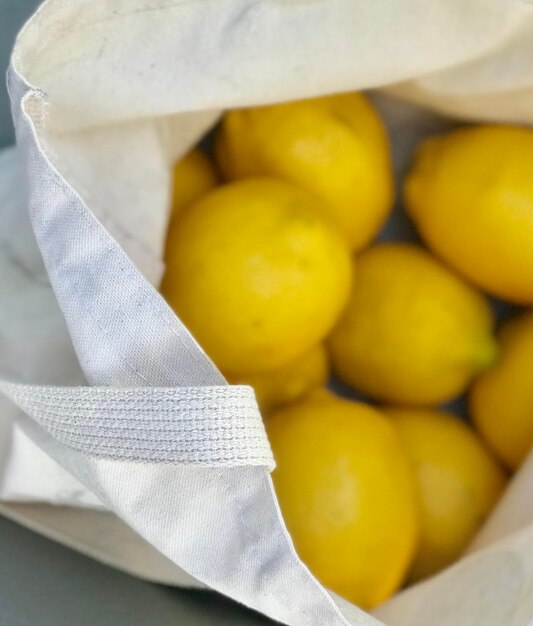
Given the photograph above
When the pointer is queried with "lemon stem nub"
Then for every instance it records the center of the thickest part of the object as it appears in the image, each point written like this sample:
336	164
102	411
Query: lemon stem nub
488	354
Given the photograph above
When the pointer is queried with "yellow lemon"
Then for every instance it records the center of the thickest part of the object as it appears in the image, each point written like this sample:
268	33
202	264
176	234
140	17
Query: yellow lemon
459	483
335	146
413	332
470	194
193	177
256	275
501	399
347	493
287	384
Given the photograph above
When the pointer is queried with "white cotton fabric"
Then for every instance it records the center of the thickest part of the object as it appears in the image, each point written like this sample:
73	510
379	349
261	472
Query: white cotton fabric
105	95
217	425
34	347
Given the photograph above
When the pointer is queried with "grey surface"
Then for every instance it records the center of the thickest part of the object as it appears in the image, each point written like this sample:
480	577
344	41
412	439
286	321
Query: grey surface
13	14
45	584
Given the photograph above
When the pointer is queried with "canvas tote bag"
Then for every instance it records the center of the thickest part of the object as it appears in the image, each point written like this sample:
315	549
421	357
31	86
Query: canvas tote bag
112	411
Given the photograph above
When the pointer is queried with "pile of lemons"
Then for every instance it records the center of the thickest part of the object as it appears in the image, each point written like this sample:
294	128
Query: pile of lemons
271	264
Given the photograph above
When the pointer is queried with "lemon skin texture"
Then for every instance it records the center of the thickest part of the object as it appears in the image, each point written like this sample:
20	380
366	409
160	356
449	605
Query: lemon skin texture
193	176
470	194
347	493
413	332
256	274
334	146
459	482
289	383
501	399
